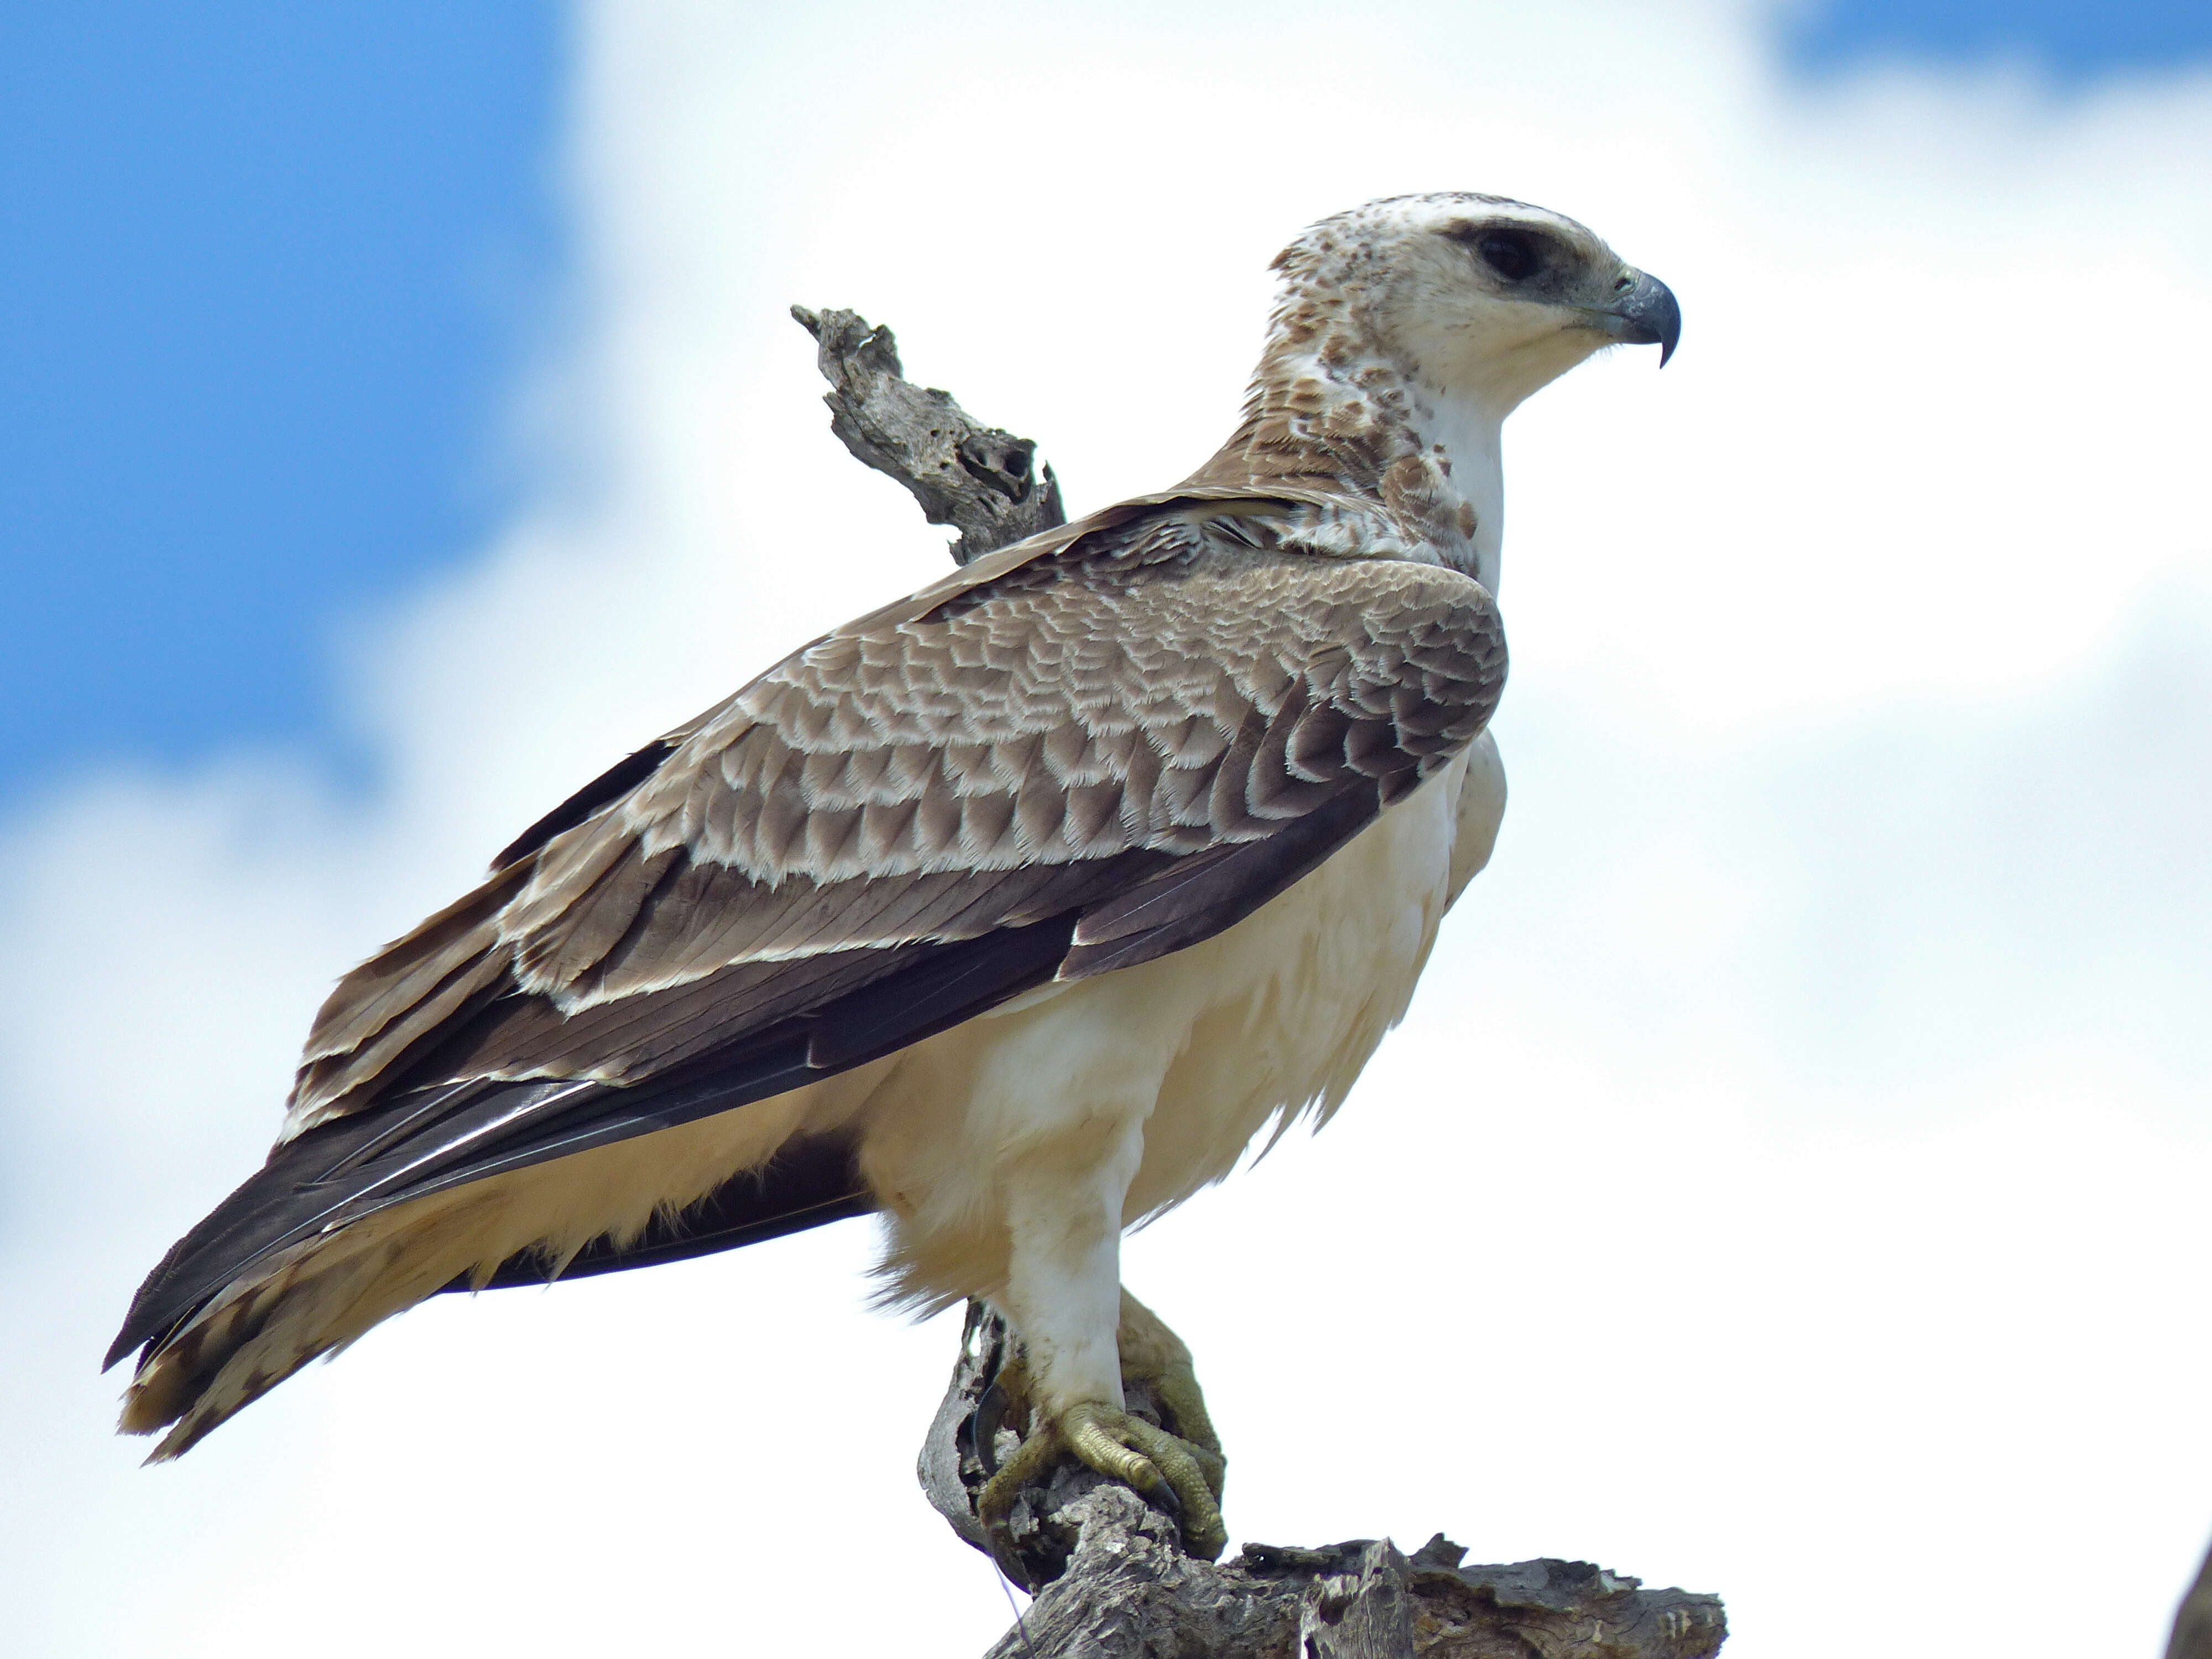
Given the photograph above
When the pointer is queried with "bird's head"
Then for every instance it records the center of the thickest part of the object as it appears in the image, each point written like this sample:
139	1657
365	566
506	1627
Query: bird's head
1477	295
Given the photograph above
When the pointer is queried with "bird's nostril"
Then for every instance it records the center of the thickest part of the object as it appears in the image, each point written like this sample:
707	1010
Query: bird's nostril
1622	284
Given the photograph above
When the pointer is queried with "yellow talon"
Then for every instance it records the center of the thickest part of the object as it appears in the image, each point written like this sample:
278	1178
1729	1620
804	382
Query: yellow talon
1122	1447
1182	1463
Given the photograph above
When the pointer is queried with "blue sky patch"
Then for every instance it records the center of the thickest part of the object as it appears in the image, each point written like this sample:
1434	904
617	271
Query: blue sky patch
2072	40
267	275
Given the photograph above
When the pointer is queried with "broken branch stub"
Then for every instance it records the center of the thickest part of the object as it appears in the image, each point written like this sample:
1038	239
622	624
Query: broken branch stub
981	480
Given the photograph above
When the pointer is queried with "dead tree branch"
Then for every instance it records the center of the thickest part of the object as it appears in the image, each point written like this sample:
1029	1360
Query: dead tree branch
982	481
1130	1593
1111	1578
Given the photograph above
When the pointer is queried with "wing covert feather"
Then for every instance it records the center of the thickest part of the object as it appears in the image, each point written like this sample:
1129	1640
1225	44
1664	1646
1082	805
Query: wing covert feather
1163	704
1067	758
1149	730
1154	696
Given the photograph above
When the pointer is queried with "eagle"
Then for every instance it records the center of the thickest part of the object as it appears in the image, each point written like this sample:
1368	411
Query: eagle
1011	911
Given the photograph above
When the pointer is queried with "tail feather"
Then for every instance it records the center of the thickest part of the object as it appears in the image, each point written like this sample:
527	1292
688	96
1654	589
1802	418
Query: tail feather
595	1212
312	1302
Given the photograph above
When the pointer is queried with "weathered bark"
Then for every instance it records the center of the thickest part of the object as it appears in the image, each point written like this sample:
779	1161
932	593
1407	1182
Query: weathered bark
1131	1593
1109	1570
982	481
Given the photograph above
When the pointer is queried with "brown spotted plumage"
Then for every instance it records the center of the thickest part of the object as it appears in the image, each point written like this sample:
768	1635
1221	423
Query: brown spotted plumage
1139	786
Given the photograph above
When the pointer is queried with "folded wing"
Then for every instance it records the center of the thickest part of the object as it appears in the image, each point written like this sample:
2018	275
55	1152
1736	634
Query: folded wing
1079	755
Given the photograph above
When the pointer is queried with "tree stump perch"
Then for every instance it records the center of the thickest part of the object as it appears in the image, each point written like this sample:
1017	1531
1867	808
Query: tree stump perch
1107	1567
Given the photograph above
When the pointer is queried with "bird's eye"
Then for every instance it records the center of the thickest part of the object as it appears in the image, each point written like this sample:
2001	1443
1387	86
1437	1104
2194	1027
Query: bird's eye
1509	254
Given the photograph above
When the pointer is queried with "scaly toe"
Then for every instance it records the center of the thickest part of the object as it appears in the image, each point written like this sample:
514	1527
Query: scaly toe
1156	1463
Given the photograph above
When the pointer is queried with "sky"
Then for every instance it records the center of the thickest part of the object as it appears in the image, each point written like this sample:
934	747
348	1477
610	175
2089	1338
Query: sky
270	272
1789	1176
274	274
2066	41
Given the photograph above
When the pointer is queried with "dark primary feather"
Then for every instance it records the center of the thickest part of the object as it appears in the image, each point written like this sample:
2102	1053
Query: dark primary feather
1073	757
430	1139
611	785
810	1183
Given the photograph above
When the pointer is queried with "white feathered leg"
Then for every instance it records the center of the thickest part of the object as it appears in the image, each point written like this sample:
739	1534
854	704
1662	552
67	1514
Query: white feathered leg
1064	1210
1063	1295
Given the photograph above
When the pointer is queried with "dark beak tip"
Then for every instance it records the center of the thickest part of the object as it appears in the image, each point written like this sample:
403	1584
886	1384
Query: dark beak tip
1665	313
1651	316
1647	315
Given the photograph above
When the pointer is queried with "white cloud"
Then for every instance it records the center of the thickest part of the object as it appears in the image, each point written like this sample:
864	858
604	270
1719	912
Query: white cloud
1792	1166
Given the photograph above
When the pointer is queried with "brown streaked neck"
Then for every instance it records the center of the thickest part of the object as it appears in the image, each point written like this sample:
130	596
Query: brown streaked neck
1331	408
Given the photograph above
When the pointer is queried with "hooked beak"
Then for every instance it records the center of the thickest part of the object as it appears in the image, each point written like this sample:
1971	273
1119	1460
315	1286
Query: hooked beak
1645	315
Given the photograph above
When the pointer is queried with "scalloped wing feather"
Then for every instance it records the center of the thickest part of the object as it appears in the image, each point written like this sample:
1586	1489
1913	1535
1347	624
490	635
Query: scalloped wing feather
939	770
1138	740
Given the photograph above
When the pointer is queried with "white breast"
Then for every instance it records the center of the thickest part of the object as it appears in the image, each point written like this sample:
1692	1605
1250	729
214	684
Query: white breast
1203	1048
